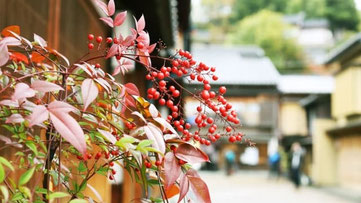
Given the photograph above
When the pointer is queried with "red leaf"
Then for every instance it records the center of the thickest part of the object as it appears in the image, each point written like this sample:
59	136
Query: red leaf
107	20
39	115
112	51
14	28
190	154
36	57
172	191
111	7
132	89
183	186
44	86
120	18
172	170
89	92
200	189
16	56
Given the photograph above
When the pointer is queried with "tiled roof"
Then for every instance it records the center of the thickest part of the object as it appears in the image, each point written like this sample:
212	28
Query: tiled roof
306	84
242	65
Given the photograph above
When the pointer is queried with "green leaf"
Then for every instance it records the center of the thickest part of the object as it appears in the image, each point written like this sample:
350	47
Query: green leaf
144	143
25	190
58	195
25	177
78	201
2	173
124	141
5	192
6	163
17	196
32	146
41	190
81	167
102	171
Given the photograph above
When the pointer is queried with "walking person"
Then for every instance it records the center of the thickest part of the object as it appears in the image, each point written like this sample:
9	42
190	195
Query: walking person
230	161
296	163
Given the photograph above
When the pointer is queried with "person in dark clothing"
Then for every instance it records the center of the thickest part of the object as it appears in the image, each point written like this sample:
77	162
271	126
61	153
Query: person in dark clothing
296	163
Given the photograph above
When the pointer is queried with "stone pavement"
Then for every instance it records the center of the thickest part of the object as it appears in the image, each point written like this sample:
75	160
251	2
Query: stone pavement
254	187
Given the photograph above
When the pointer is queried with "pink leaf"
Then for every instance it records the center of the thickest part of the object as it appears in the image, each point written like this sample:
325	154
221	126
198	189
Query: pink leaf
108	136
15	118
167	125
44	86
40	41
153	111
144	58
200	189
183	186
10	41
107	20
39	115
4	54
104	84
120	18
151	48
59	106
22	90
8	102
69	129
111	7
89	92
140	24
112	51
172	170
144	38
102	6
155	134
190	154
63	57
132	89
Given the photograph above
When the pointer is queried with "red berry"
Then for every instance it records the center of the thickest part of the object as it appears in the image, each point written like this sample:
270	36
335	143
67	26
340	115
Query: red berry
111	163
90	46
162	102
192	76
239	137
169	103
200	78
90	36
173	148
209	120
97	65
172	88
228	129
160	76
109	40
98	155
176	93
232	138
148	77
99	39
222	90
158	163
162	83
148	164
217	136
211	130
207	86
205	94
214	77
88	156
175	63
199	108
140	45
181	162
111	177
187	126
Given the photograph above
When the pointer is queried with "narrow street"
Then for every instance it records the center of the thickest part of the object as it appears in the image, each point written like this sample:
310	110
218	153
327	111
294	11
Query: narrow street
254	187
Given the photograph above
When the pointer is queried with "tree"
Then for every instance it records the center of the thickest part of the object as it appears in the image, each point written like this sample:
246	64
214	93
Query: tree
312	8
267	30
243	8
342	14
69	122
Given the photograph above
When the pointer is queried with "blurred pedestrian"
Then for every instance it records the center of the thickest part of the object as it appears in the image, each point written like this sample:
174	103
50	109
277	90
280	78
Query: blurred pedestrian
296	163
230	161
274	161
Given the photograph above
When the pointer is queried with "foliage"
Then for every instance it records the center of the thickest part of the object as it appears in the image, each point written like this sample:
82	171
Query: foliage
69	122
342	14
267	30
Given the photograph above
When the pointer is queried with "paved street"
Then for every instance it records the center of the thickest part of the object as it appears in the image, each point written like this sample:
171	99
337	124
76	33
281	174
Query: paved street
254	187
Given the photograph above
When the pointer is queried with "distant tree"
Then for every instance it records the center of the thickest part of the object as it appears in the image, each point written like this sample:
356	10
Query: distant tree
342	14
312	8
243	8
268	30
